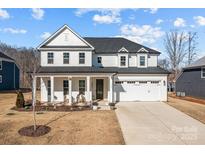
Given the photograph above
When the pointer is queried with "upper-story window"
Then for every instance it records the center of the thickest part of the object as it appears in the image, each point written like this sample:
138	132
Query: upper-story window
99	60
81	58
0	78
0	64
50	58
142	60
122	61
203	72
66	58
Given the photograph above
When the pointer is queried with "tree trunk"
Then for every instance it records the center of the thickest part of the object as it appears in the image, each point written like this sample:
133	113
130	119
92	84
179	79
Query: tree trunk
34	101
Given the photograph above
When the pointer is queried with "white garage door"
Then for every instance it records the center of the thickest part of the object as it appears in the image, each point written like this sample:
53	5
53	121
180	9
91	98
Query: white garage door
137	90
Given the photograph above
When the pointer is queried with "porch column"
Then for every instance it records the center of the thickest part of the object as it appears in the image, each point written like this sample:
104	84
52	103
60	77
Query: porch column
52	88
70	90
111	89
88	89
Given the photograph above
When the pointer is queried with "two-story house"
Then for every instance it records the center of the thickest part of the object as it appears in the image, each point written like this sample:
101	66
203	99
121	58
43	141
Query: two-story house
109	69
9	73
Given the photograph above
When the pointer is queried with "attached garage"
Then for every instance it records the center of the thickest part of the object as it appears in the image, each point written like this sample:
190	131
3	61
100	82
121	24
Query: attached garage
141	88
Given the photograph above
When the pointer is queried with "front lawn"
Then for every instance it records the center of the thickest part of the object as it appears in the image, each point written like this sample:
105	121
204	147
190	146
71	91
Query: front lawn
79	127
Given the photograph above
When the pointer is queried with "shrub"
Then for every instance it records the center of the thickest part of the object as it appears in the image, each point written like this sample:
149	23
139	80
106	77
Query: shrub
20	102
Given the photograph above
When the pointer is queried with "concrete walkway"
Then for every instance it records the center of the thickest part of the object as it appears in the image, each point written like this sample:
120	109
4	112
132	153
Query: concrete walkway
158	123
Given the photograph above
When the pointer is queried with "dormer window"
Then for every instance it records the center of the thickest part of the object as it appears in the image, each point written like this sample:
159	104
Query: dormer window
122	60
142	60
99	60
50	58
81	58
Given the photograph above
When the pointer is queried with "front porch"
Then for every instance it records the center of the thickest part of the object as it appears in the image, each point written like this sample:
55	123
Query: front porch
57	89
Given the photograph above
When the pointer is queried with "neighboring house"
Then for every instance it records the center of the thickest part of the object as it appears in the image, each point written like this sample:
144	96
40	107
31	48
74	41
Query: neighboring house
191	81
109	69
9	73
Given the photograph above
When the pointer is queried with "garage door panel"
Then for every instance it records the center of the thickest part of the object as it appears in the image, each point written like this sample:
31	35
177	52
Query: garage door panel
138	92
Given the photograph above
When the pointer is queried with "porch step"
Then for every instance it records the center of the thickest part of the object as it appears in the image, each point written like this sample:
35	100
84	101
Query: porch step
103	107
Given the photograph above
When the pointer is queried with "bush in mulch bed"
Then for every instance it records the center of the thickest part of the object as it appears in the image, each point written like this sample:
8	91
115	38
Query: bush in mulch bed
29	131
63	108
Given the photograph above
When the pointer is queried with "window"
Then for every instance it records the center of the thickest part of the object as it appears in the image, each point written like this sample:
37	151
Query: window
99	60
81	58
142	60
122	61
118	82
82	86
203	72
65	87
0	78
0	64
50	58
66	58
130	82
142	82
154	82
49	87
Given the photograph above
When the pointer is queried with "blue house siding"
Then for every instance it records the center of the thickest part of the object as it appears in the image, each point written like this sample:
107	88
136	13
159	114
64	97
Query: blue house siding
10	76
191	83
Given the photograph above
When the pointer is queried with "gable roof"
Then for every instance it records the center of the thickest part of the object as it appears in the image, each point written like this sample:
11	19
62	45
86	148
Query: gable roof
113	45
199	63
54	35
2	55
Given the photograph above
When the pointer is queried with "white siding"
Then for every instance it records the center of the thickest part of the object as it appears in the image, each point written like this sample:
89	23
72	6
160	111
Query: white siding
132	60
74	58
152	61
107	60
66	38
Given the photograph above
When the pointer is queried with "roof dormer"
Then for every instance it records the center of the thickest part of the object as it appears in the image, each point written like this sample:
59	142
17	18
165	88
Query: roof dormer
123	50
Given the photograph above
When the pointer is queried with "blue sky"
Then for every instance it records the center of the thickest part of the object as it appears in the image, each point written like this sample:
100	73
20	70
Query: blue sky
29	27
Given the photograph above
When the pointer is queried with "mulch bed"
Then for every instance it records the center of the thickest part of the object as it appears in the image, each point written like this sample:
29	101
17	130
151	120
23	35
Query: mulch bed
29	131
188	98
63	108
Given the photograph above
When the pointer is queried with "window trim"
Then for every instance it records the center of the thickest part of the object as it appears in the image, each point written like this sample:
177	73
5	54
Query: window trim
1	79
203	72
144	61
1	64
124	61
79	87
81	58
48	58
66	58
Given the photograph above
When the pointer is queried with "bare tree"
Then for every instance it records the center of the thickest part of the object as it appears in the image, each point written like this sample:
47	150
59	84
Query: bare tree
34	66
163	63
191	51
175	47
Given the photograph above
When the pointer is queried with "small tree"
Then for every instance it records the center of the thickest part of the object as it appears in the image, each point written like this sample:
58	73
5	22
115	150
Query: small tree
20	102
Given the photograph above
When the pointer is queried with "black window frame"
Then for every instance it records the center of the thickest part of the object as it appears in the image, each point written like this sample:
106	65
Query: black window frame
142	62
81	86
50	59
65	87
66	58
123	61
99	60
81	58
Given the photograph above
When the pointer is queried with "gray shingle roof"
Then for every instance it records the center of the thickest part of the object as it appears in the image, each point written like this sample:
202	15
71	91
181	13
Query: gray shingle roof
129	70
199	63
2	55
112	45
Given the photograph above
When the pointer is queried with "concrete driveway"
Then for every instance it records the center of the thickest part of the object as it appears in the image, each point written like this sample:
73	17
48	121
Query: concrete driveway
158	123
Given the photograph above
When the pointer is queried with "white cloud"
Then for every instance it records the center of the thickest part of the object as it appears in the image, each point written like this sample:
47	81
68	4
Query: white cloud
4	14
14	31
179	22
151	10
37	13
200	20
159	21
102	16
45	35
141	34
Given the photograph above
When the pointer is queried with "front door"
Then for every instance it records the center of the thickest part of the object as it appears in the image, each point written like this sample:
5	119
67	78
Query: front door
99	88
